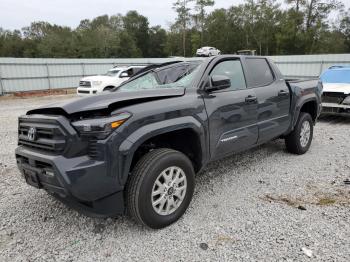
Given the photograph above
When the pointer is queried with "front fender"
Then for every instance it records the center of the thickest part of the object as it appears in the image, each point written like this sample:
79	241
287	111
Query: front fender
137	138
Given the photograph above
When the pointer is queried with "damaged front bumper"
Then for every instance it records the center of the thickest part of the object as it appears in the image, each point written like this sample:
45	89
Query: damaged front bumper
335	103
78	182
78	171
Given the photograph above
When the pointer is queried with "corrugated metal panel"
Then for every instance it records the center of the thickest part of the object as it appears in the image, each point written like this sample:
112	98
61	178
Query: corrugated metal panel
93	69
25	74
308	65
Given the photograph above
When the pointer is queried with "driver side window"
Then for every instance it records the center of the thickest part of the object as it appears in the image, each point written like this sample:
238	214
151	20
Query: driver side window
233	70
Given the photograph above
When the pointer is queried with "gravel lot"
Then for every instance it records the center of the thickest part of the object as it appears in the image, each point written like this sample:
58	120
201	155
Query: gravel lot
260	205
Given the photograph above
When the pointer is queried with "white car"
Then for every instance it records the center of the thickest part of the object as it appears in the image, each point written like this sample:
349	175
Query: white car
208	51
113	78
336	90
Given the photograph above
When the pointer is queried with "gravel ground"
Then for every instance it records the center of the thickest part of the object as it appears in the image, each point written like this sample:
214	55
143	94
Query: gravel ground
261	205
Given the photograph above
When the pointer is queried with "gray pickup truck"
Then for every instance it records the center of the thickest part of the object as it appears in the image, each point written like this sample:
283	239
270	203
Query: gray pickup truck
136	149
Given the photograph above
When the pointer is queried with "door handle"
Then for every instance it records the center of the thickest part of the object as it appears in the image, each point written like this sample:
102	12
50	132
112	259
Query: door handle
251	99
283	93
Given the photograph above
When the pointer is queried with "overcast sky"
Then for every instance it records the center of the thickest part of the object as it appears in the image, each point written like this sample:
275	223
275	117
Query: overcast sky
15	14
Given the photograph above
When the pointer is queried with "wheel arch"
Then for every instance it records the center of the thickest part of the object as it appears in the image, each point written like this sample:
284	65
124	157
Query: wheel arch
307	106
184	134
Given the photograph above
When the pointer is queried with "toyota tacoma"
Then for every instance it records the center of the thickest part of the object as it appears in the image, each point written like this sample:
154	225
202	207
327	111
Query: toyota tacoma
136	149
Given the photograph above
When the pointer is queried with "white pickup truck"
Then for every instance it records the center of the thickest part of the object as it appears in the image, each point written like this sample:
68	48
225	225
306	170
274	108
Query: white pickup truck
91	85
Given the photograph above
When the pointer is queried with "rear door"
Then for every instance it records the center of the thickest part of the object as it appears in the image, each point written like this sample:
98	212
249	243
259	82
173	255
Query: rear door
232	112
273	98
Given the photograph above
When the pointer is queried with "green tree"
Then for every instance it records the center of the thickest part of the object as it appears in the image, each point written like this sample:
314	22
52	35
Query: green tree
201	15
316	20
262	18
157	44
11	43
183	19
137	26
344	28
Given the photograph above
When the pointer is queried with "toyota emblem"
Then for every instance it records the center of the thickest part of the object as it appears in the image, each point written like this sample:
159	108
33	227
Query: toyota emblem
32	134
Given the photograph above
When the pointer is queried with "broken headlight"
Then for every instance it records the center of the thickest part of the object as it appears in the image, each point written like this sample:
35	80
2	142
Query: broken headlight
100	127
346	101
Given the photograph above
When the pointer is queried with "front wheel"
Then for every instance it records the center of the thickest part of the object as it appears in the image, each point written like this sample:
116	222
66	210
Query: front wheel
299	141
160	188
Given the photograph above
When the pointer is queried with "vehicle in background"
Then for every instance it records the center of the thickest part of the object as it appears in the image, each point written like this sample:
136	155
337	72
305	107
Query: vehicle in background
136	149
336	90
246	52
208	51
91	85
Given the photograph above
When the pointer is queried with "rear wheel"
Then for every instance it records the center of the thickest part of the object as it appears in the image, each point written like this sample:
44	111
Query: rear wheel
160	188
299	141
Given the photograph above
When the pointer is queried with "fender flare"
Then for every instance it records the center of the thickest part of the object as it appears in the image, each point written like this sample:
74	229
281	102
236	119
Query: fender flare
137	138
300	103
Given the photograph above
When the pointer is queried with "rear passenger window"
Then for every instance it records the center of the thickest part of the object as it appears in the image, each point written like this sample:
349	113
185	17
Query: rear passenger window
259	72
233	70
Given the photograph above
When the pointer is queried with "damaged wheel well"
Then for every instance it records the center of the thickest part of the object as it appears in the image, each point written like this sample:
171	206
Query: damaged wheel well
184	140
311	108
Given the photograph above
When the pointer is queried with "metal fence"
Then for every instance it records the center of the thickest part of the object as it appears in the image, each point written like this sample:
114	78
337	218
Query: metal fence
308	66
24	74
27	74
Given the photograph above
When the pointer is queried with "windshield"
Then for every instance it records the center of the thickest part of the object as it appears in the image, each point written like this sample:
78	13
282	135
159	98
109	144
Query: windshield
336	76
154	80
112	72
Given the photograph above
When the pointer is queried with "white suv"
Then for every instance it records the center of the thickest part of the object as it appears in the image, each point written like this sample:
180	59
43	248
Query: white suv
113	78
208	51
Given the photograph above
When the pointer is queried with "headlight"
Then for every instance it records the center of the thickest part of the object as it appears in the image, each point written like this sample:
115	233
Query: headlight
96	83
100	127
346	101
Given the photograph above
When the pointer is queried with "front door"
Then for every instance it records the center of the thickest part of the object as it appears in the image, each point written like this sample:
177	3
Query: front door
232	112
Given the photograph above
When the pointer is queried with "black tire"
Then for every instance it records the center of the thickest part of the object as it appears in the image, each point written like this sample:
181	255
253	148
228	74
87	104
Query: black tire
293	140
141	182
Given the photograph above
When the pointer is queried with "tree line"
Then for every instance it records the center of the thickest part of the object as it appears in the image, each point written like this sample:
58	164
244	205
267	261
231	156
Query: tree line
269	26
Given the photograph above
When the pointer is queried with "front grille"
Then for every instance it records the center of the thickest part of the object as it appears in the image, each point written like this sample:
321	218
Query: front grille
333	97
83	92
92	149
85	83
47	136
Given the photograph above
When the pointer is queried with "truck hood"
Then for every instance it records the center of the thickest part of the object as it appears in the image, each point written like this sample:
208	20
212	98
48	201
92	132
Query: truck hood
108	101
336	87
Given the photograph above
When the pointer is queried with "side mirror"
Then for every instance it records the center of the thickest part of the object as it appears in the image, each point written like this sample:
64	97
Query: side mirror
219	82
123	75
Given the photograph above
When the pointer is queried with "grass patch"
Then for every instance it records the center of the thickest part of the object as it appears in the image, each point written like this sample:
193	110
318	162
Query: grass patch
326	201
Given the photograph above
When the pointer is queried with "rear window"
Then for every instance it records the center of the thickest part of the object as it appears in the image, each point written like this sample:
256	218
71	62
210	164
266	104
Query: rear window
259	72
